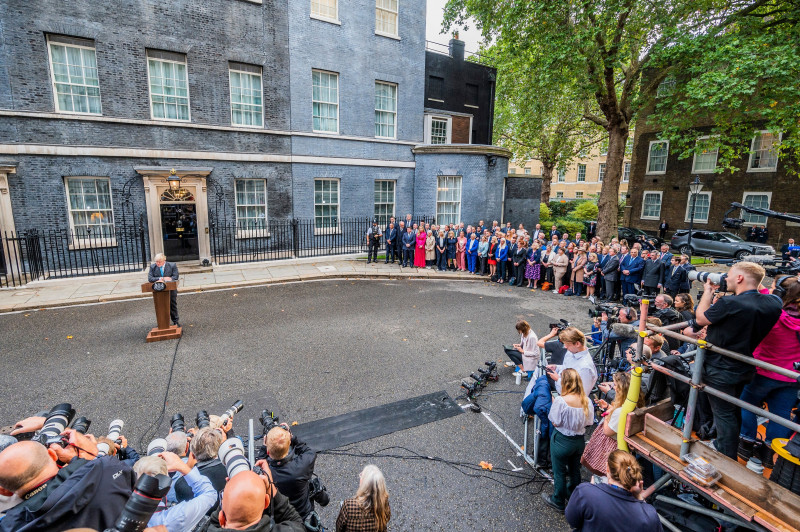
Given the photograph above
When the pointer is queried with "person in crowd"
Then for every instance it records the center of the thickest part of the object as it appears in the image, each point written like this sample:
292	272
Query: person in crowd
87	492
627	316
419	249
752	234
610	273
409	243
675	277
369	510
631	268
762	235
684	304
452	244
737	323
780	347
590	276
787	253
184	515
560	264
374	235
554	232
548	257
578	273
472	252
430	249
511	242
252	502
163	271
441	251
519	261
686	264
492	257
537	232
483	255
663	227
666	256
652	274
461	251
502	258
614	506
390	235
526	353
569	416
577	357
591	232
533	265
399	247
203	449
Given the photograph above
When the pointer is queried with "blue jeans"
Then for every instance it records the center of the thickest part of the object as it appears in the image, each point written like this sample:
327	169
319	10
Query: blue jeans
471	262
780	396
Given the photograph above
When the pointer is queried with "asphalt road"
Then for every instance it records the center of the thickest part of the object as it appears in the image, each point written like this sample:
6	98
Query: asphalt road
310	351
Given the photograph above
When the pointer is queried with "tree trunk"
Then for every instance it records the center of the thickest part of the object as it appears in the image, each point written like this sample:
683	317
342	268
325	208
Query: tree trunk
608	203
547	179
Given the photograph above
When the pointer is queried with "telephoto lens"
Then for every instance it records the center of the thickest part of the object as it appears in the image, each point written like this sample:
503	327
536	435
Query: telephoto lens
81	425
202	419
159	445
719	279
231	454
57	420
236	407
177	424
147	493
114	430
269	420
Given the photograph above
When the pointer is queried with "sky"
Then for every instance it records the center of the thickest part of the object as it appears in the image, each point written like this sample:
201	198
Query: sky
434	25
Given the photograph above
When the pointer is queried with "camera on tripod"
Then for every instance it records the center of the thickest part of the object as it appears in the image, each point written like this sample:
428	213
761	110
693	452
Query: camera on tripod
610	309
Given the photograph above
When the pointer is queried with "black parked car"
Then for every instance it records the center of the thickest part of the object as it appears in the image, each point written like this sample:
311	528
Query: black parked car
632	235
717	244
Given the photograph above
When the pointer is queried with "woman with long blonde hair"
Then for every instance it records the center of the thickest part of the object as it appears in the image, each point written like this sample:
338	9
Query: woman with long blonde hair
570	414
369	510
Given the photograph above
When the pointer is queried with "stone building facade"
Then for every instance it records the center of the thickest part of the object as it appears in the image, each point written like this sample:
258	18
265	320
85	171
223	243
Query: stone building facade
265	111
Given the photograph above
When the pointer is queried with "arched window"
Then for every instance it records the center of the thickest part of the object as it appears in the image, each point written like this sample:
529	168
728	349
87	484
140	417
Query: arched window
177	195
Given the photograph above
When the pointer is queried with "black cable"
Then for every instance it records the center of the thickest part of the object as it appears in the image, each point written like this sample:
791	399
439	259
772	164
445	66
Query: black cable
154	425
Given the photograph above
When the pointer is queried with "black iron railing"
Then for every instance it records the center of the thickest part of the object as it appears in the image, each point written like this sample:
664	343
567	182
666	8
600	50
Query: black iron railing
32	255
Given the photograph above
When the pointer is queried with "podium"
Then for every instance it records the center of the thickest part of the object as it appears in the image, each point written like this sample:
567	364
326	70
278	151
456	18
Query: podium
164	331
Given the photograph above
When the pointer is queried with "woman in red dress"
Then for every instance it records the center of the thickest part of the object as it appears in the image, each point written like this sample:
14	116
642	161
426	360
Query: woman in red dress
419	250
492	258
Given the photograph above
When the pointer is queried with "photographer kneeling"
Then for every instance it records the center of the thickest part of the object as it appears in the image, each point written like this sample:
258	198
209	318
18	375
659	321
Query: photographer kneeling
737	323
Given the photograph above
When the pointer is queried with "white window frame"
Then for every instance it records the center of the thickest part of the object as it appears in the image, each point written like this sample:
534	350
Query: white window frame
697	220
185	63
323	102
429	127
561	175
578	173
752	152
660	204
666	87
756	193
324	18
253	232
460	180
396	13
626	171
578	194
396	100
649	151
393	203
715	151
261	84
82	242
332	230
601	172
53	77
559	194
527	171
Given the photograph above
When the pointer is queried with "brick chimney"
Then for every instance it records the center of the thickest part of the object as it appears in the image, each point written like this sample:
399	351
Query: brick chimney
456	48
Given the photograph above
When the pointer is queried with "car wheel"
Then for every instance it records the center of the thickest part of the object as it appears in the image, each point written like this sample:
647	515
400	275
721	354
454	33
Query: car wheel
741	255
686	250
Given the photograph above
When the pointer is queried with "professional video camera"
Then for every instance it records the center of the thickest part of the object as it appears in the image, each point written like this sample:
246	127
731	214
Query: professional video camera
611	309
147	493
114	430
791	268
56	422
635	301
317	492
471	388
560	325
490	373
719	279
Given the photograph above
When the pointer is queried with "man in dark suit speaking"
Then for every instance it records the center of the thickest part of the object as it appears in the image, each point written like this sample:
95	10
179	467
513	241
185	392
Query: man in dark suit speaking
161	270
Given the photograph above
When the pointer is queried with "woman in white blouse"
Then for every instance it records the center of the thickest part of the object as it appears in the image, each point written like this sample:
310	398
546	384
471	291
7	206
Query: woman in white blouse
526	352
570	414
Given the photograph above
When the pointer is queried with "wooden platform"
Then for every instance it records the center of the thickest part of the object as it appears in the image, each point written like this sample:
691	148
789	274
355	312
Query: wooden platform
745	493
171	333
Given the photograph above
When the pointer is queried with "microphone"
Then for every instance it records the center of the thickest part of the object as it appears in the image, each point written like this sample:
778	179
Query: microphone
624	330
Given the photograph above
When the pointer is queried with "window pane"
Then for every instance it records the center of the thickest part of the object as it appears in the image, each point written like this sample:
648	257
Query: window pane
581	172
75	74
651	205
325	101
324	8
384	201
438	131
386	16
90	206
385	109
658	157
448	200
756	201
326	203
764	155
246	99
169	92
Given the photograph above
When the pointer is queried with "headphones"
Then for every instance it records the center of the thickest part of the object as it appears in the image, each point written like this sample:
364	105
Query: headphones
779	290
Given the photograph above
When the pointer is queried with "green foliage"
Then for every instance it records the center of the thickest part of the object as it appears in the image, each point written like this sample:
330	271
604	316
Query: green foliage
544	213
586	210
562	208
569	225
621	210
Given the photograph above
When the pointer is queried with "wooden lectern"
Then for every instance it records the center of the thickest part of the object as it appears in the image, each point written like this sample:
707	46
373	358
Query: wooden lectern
164	331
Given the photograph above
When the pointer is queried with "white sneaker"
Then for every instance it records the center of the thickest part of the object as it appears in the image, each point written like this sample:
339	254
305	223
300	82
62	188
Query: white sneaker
510	364
517	374
555	291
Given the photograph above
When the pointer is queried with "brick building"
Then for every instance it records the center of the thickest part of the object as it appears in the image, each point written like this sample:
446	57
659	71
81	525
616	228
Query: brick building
265	111
659	186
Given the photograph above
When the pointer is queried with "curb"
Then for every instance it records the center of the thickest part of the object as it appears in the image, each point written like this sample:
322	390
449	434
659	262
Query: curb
248	284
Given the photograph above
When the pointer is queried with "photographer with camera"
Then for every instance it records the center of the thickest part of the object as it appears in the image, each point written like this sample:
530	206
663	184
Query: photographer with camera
291	462
87	492
204	448
737	323
186	514
577	357
625	332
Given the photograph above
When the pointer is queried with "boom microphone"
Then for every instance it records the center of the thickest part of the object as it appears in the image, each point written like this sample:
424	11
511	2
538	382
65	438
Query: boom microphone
625	330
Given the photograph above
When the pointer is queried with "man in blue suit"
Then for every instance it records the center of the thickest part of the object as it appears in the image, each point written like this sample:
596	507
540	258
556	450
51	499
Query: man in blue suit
161	270
390	234
666	256
631	269
409	241
675	277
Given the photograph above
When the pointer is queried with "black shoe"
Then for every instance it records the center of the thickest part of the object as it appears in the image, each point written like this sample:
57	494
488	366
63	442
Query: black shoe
386	262
177	323
546	498
766	454
745	450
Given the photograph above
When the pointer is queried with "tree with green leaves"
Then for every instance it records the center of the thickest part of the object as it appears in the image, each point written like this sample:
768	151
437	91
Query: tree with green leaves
547	127
607	45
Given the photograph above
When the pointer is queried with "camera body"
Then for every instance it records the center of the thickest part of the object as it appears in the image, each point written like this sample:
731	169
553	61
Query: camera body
269	420
57	421
560	325
317	492
147	493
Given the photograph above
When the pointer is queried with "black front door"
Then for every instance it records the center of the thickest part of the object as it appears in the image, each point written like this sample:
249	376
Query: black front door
179	227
